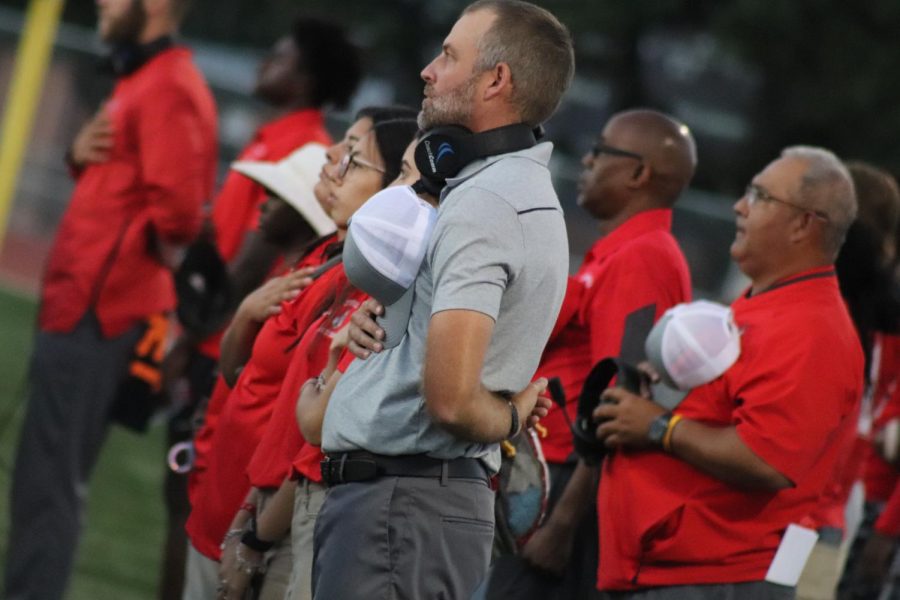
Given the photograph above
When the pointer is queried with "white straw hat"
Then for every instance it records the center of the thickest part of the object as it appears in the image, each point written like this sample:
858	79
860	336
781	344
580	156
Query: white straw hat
292	179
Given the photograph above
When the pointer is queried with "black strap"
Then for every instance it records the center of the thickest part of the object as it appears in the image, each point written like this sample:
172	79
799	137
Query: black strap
349	467
126	58
326	266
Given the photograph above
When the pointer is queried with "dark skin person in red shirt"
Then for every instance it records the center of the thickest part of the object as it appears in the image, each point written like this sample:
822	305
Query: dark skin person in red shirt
612	189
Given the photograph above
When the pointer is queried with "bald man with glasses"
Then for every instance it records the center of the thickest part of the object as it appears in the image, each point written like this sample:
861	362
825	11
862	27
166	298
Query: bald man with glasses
641	163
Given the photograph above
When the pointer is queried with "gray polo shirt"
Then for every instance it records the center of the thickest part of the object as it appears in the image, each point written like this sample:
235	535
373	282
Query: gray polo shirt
499	247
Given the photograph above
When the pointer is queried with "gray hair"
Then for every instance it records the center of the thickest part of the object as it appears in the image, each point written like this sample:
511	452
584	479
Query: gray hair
826	188
537	48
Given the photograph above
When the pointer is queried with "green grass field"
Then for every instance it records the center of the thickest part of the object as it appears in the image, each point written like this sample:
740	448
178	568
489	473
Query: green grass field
119	554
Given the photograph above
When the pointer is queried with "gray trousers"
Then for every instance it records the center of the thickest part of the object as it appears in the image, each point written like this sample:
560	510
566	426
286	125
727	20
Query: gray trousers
403	538
753	590
73	380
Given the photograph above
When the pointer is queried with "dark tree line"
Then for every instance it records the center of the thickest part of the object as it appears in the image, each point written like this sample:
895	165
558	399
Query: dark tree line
828	67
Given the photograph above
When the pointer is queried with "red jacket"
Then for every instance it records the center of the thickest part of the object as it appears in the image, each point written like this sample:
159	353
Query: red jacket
160	170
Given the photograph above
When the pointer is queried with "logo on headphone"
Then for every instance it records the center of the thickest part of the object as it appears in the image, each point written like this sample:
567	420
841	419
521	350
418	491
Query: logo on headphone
430	155
444	149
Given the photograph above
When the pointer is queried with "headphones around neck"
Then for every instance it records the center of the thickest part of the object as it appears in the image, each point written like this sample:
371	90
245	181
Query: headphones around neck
126	58
444	151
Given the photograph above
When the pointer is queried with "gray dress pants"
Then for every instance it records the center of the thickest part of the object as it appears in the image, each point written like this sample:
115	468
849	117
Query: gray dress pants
73	380
403	538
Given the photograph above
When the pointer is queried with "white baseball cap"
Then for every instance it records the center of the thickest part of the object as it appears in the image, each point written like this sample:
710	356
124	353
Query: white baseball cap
292	179
385	246
693	343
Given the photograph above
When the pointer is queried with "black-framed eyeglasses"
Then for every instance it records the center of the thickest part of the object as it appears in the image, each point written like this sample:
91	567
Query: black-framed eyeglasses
602	148
354	159
754	193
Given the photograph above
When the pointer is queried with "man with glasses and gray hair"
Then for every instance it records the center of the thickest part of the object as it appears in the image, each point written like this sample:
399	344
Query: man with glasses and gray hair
718	508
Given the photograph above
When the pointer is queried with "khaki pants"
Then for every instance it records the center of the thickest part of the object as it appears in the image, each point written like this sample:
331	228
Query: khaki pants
822	572
307	501
201	576
278	563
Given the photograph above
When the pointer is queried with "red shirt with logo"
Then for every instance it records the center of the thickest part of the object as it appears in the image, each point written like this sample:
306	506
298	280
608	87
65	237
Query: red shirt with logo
793	389
282	440
220	489
160	170
634	274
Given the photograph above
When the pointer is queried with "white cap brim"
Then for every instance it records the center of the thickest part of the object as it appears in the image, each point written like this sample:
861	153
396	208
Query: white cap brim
296	191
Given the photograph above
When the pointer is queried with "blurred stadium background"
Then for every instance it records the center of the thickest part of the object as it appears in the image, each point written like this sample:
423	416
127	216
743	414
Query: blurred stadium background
748	76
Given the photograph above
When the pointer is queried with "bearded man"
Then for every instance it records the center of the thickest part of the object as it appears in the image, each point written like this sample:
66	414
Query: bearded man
412	433
143	166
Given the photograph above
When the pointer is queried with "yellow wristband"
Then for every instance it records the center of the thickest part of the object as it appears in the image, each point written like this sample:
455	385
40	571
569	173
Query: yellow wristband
667	438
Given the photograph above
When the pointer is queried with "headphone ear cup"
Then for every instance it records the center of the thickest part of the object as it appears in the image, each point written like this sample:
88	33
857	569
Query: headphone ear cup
439	153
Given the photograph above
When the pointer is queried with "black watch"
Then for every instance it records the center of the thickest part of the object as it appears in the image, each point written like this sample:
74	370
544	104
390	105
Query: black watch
250	540
658	428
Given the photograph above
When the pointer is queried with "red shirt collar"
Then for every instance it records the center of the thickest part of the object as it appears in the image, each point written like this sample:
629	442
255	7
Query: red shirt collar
640	224
827	272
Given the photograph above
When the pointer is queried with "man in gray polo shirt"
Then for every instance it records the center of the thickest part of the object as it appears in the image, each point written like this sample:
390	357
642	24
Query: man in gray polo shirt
428	413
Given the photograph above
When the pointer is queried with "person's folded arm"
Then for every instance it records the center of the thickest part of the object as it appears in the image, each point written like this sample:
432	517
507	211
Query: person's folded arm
716	450
720	452
455	397
315	393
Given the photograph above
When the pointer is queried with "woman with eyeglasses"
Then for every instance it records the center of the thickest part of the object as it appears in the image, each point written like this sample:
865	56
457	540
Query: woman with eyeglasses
345	184
256	352
282	451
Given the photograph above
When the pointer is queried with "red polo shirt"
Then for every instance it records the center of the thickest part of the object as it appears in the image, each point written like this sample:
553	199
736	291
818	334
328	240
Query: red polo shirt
236	207
881	478
160	170
796	383
282	439
220	489
637	267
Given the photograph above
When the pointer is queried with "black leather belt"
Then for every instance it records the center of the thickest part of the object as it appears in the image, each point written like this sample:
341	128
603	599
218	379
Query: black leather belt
348	467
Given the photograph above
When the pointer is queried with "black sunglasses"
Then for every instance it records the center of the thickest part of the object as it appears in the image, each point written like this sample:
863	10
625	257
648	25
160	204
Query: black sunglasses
601	148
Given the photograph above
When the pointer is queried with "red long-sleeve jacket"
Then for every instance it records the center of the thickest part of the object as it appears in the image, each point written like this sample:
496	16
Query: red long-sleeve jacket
160	170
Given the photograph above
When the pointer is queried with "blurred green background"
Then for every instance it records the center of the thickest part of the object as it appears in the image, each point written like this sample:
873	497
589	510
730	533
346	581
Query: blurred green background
119	553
